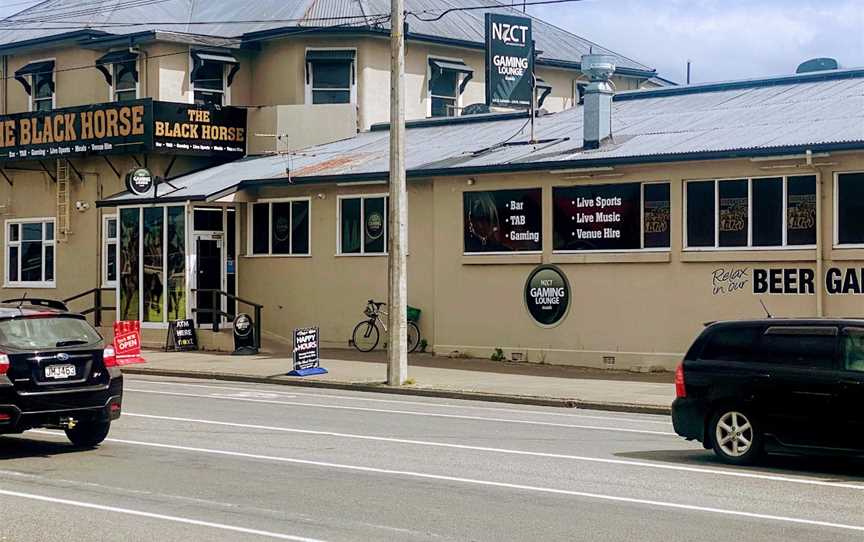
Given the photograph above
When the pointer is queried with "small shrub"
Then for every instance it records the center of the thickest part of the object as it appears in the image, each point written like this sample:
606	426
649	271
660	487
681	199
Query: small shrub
497	355
424	344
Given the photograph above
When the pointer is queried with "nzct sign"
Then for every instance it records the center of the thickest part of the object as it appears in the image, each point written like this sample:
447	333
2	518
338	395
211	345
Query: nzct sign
509	61
139	126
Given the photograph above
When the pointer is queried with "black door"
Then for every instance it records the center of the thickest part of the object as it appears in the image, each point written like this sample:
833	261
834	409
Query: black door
850	404
209	258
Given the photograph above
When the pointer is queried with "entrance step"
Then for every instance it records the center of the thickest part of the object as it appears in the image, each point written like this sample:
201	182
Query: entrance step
223	341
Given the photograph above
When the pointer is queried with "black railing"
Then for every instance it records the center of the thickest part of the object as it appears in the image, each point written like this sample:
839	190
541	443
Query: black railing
97	308
216	313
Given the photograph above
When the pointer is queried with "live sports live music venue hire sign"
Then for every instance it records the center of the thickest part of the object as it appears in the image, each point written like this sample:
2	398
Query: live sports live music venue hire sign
140	126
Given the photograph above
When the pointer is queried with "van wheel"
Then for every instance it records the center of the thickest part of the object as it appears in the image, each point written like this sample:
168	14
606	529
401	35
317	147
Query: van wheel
88	434
736	437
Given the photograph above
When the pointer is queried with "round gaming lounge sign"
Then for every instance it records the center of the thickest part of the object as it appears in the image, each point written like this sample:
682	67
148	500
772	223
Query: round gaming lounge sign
140	181
547	295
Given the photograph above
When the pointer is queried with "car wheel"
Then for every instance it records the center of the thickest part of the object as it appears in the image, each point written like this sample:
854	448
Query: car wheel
88	434
736	436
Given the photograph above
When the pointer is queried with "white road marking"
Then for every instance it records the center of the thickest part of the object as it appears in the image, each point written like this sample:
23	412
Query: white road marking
474	481
140	513
647	419
408	412
508	451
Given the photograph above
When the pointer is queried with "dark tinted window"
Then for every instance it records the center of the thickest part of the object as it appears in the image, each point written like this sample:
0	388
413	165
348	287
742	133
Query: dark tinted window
281	228
737	343
260	221
208	219
700	214
850	208
853	349
801	210
768	212
799	347
733	213
656	215
300	227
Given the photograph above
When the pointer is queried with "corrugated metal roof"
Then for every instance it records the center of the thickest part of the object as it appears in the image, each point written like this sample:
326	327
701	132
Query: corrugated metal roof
124	17
812	110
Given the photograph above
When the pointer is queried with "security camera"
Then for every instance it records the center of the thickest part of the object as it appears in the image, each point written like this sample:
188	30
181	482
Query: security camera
82	205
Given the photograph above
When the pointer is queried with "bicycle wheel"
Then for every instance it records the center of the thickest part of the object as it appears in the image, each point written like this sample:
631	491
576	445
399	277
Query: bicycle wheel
365	336
413	337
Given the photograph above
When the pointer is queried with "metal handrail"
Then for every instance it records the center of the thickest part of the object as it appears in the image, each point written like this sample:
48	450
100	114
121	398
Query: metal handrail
218	313
98	308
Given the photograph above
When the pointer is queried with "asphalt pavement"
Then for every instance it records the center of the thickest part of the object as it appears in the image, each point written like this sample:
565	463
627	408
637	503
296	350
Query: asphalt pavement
200	460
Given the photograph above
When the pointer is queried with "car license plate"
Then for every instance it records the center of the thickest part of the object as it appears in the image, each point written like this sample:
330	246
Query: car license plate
59	371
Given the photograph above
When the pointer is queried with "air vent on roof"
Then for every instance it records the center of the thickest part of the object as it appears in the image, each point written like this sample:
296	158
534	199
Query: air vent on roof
817	65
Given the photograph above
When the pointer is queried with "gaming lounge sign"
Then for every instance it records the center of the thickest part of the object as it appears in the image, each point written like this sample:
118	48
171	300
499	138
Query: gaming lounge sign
788	281
134	127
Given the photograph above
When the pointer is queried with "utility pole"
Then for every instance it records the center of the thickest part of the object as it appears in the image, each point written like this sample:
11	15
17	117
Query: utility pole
397	349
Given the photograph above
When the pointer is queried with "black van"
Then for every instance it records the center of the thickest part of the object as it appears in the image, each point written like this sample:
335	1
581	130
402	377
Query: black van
794	385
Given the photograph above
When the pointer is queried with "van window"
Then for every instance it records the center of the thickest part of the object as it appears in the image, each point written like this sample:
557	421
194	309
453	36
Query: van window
853	349
800	347
737	343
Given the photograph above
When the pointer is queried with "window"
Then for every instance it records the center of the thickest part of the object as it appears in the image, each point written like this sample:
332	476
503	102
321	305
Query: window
447	81
211	76
611	217
30	252
853	349
849	209
109	250
770	212
363	225
280	228
125	81
799	346
330	77
37	78
738	343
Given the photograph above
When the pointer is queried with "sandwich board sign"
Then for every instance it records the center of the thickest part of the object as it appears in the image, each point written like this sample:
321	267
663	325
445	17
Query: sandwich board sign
181	335
307	360
509	61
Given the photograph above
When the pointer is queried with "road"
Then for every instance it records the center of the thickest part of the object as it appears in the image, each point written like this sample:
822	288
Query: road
201	460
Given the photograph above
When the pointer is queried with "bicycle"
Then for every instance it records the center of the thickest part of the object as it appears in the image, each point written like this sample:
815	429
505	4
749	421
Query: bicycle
366	335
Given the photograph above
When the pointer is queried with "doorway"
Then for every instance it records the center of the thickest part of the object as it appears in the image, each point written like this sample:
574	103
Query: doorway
208	276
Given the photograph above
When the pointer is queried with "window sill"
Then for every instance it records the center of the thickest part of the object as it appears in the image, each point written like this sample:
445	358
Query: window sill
35	285
264	256
613	257
363	255
770	255
502	259
846	253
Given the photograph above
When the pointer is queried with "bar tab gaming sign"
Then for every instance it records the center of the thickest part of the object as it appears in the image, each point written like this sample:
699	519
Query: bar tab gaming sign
139	126
509	61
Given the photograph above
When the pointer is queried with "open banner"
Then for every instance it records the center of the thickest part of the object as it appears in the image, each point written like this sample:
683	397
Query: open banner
127	342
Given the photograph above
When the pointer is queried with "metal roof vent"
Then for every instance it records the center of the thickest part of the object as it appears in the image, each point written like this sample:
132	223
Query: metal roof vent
597	102
817	65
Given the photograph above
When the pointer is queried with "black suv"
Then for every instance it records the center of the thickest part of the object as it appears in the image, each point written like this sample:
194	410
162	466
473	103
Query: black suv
794	385
56	372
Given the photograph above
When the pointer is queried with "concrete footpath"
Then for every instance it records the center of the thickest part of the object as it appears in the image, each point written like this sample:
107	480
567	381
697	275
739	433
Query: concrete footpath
475	379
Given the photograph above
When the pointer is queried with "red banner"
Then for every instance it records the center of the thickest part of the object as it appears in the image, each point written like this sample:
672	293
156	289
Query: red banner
127	342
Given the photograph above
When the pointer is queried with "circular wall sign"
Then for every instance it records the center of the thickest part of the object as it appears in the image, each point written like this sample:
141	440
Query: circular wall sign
374	225
139	181
242	325
547	295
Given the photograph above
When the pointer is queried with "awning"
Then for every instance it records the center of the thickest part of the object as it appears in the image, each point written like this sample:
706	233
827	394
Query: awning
199	56
456	66
544	88
341	55
46	66
117	57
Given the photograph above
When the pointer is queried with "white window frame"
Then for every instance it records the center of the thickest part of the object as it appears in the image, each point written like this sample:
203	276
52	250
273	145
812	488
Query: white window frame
105	241
459	80
7	283
226	90
749	246
641	226
836	211
250	230
309	82
112	90
363	197
31	102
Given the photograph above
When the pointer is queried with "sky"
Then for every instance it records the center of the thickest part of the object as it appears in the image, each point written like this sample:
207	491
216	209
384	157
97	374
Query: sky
723	39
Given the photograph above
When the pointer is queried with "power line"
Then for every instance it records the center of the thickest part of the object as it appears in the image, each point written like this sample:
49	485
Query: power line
447	11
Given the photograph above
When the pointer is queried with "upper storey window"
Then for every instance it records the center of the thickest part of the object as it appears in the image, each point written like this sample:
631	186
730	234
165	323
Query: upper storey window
447	82
37	78
212	75
330	77
120	69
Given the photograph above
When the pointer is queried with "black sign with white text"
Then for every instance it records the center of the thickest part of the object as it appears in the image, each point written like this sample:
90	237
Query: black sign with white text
182	334
597	217
547	295
503	221
509	60
306	354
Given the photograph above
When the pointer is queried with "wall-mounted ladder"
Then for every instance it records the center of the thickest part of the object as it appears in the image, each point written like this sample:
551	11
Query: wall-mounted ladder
63	228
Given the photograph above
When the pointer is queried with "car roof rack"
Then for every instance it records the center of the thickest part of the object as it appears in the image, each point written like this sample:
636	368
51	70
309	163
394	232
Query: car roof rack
39	302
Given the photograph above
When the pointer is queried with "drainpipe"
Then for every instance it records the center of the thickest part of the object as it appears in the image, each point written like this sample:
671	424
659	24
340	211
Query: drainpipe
820	311
4	67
